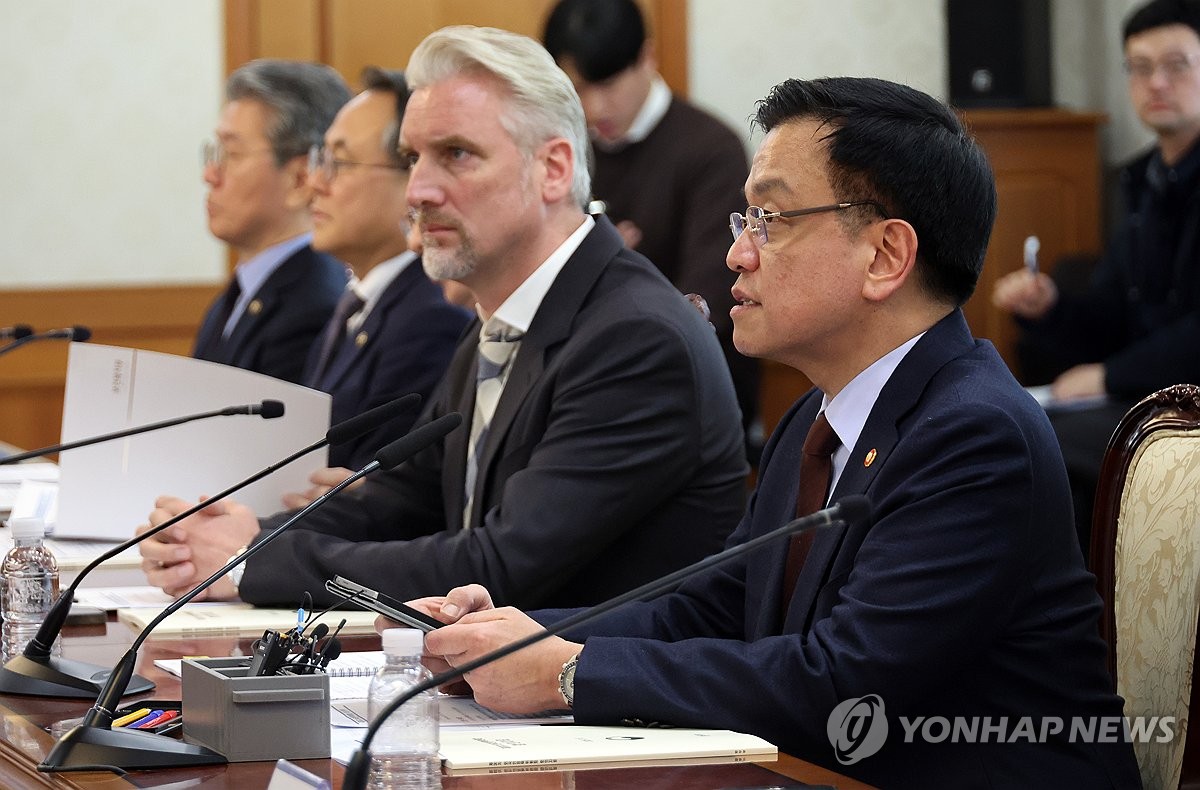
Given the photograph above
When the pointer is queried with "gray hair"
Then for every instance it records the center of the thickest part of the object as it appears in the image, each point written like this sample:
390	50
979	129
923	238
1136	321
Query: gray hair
302	98
544	104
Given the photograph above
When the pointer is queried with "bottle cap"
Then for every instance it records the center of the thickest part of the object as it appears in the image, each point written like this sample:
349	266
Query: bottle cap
22	528
403	642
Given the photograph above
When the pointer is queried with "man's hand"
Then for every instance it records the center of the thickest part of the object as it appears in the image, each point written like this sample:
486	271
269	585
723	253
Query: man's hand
1025	294
1081	381
322	480
182	556
526	681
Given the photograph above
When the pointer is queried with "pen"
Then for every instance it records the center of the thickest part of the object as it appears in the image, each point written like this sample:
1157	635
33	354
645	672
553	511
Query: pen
1032	245
165	717
154	714
137	714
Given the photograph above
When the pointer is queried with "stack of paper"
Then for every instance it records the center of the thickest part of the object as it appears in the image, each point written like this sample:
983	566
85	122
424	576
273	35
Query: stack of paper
232	619
553	748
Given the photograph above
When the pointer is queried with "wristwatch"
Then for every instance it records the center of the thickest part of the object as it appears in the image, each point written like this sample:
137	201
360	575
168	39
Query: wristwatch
566	681
236	572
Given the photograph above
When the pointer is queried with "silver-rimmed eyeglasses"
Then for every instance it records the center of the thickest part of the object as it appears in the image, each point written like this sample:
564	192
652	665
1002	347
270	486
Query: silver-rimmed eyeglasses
1174	66
213	154
756	219
321	160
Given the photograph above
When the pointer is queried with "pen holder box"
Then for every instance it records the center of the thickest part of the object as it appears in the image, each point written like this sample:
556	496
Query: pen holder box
254	718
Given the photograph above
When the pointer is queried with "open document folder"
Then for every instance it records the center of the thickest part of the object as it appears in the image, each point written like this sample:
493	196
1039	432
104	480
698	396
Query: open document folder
107	489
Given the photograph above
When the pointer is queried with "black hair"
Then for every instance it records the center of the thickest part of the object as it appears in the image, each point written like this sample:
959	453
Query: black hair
1160	13
908	152
600	37
374	78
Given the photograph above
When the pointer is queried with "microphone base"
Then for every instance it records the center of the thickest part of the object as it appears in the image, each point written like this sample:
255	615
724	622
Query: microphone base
53	676
96	748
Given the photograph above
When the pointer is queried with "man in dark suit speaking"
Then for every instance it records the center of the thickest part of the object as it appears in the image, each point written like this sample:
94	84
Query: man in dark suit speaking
282	292
602	443
965	599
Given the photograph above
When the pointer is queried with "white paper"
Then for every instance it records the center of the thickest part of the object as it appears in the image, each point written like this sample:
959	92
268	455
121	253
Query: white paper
111	599
287	776
109	488
452	712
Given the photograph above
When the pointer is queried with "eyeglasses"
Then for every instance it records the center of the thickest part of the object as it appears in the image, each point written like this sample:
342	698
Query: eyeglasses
1174	67
321	160
756	219
213	154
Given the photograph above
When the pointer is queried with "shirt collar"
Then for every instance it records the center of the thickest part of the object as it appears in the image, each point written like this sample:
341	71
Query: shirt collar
253	273
848	411
658	101
371	287
522	304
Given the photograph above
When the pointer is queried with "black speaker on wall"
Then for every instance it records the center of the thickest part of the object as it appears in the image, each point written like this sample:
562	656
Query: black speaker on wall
999	52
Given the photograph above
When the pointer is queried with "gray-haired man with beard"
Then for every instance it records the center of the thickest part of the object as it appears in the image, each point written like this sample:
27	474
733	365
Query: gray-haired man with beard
602	444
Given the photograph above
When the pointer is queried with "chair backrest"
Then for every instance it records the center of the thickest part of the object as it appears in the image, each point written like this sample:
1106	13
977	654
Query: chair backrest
1146	556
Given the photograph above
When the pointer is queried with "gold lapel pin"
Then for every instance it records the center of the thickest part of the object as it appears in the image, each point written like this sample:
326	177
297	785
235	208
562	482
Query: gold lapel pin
360	339
255	307
870	459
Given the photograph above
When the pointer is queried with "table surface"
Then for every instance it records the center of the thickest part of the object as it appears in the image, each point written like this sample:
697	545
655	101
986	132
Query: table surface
24	740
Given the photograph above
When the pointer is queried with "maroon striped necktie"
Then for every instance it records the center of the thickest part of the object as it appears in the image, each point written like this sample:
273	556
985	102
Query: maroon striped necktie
816	471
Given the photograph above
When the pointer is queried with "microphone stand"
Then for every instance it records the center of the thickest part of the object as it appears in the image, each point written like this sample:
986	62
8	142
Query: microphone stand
38	673
76	333
269	409
848	510
94	745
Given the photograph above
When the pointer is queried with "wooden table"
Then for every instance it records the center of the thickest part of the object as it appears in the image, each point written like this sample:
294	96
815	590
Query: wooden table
24	741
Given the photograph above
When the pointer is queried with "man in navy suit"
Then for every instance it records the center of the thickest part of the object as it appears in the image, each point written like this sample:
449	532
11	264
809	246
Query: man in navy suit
965	598
394	331
282	292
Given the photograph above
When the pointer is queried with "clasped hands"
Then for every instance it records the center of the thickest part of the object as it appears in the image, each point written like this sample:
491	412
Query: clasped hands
524	682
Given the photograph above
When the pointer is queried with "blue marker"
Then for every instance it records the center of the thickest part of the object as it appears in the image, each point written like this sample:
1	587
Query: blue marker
154	714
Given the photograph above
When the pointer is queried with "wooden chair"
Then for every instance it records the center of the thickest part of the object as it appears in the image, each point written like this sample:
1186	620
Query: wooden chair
1146	556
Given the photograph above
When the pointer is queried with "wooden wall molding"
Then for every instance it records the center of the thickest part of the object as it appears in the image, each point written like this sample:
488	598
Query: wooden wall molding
32	379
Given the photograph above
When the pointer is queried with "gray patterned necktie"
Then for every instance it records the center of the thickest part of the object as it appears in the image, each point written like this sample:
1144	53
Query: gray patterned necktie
498	343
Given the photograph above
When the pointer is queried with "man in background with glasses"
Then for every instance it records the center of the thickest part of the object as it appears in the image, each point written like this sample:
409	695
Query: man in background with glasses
282	292
965	597
1136	328
393	331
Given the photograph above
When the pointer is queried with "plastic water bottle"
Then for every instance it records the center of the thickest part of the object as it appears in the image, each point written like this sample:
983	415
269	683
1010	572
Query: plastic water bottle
29	579
404	753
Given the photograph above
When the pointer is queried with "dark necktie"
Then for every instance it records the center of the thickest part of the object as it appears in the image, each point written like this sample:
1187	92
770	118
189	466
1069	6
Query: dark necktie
207	346
335	331
816	471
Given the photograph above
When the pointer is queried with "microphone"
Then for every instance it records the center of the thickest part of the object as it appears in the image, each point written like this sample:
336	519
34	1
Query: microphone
268	410
79	333
94	745
851	509
15	332
37	672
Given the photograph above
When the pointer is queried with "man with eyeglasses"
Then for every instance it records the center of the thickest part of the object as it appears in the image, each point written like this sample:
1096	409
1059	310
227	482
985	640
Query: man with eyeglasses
393	331
1136	327
964	598
282	292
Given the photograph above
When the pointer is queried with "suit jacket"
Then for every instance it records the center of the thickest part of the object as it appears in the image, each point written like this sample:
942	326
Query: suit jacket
403	345
966	596
287	313
615	455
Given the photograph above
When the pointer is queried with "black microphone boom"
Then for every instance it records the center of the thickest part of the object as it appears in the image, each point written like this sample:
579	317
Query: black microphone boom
93	744
15	332
848	510
268	410
37	672
78	333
